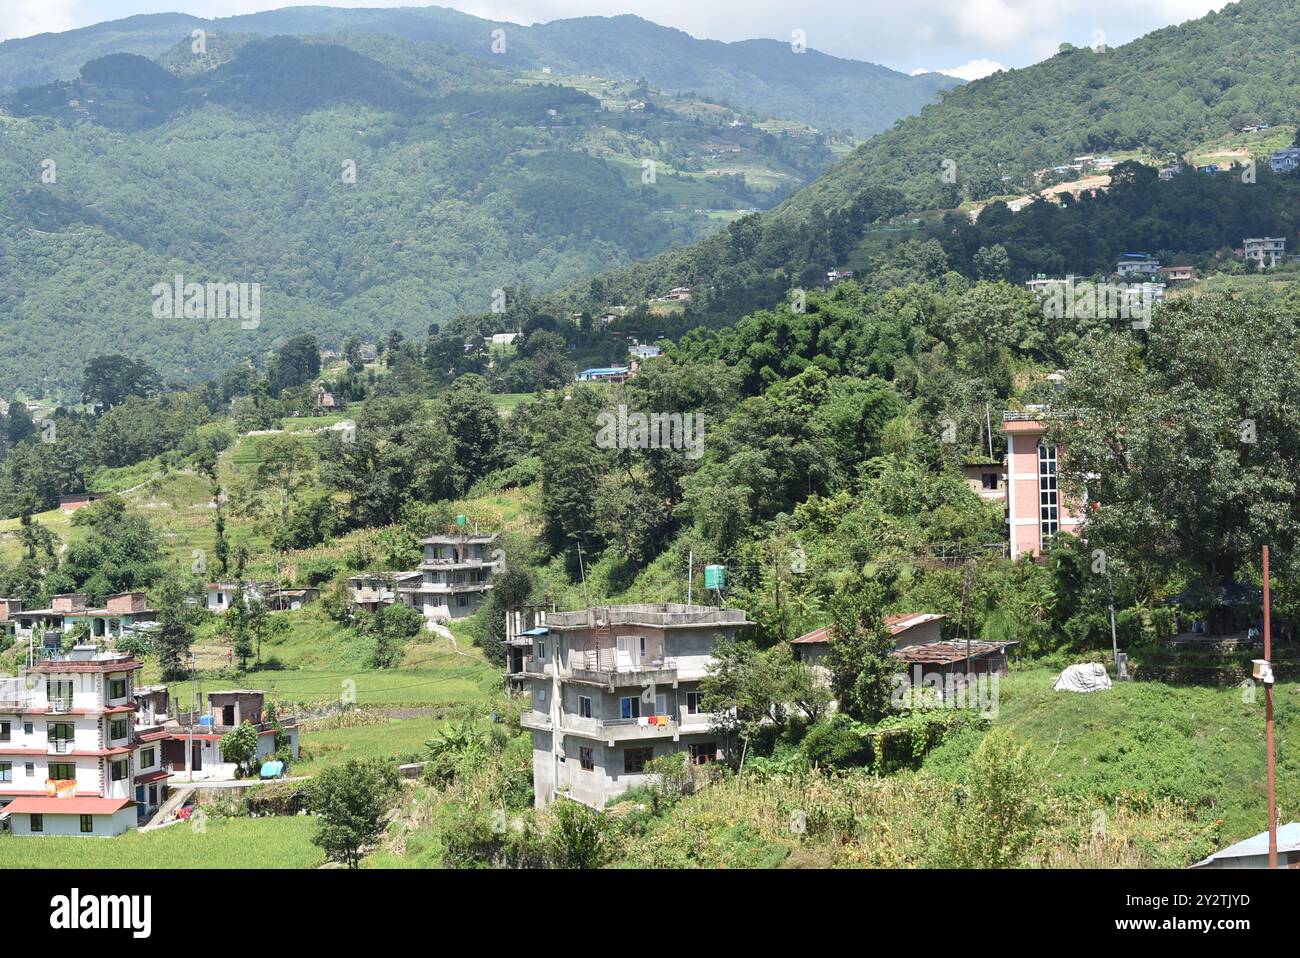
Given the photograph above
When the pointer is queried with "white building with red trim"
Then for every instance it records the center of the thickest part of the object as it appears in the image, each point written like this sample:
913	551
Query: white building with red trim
68	745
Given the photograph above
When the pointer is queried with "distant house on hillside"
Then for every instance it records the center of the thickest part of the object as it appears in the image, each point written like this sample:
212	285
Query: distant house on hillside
605	374
1285	161
838	276
79	500
1137	264
1178	274
986	479
1266	251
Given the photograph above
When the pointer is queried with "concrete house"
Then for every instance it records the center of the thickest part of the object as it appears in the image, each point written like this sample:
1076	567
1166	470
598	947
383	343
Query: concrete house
67	743
122	613
613	688
1266	250
371	591
986	479
1035	509
455	576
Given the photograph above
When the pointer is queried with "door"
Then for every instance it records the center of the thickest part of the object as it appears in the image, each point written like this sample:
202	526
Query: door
626	653
196	756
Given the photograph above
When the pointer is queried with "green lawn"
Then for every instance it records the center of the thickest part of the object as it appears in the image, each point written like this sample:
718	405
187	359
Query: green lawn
1202	745
224	843
396	738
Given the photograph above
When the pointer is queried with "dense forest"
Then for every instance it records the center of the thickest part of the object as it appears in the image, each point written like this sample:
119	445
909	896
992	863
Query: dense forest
359	195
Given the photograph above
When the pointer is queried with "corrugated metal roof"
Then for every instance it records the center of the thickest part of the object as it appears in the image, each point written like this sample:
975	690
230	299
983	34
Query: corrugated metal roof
898	624
945	653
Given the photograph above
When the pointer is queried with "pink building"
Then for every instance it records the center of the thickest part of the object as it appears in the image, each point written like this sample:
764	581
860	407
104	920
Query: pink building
1035	511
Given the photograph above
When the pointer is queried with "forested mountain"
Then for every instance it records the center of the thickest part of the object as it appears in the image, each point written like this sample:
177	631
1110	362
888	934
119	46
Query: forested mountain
1165	92
365	182
1161	95
761	75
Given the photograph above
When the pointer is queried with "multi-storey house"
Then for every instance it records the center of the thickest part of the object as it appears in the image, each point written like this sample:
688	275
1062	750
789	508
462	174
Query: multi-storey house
613	688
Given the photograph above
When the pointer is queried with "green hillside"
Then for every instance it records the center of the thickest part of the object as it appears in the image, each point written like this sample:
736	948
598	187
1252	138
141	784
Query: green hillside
762	75
365	183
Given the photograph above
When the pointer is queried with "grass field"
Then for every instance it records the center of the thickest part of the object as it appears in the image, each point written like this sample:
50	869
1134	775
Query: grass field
224	843
1201	745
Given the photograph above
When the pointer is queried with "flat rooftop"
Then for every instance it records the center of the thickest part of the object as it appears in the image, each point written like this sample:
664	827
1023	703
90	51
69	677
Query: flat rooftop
659	615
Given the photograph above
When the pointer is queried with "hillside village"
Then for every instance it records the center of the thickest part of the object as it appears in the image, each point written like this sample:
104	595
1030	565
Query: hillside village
950	524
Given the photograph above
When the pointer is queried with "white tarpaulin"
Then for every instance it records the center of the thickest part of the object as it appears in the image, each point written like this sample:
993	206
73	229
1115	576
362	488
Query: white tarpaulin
1091	677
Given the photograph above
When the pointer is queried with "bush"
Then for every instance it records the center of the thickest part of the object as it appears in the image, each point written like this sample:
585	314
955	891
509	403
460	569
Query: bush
837	743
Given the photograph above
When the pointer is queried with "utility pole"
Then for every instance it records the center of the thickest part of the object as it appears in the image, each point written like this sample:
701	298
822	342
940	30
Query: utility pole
1268	722
690	574
1110	604
583	572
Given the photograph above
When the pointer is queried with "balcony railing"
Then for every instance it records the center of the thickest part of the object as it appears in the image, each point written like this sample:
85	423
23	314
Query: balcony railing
59	746
59	705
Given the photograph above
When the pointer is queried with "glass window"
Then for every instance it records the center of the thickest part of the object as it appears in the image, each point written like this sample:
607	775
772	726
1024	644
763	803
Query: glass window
1049	518
630	706
38	823
4	731
694	703
117	689
87	823
584	706
117	728
62	771
635	759
120	769
6	771
146	758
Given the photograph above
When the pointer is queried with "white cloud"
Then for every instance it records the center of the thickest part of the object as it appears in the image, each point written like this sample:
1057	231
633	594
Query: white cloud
25	18
974	69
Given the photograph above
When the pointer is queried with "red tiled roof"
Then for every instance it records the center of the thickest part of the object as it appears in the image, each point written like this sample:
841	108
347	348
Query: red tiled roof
66	806
898	624
146	777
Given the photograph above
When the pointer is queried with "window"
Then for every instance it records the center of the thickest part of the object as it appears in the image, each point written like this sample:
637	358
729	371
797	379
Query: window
1049	497
629	707
703	753
62	771
634	759
38	822
990	480
117	689
30	769
4	731
462	601
58	692
541	695
59	734
584	757
146	758
28	728
120	769
6	771
584	706
87	824
694	703
539	650
117	729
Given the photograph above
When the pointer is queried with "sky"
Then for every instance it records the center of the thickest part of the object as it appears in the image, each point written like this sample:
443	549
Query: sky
967	38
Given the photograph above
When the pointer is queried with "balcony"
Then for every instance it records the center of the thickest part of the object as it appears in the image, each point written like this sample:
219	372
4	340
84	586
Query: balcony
59	705
534	667
696	721
620	730
59	746
610	677
535	720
